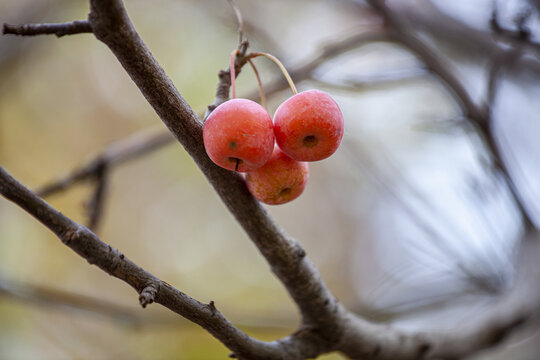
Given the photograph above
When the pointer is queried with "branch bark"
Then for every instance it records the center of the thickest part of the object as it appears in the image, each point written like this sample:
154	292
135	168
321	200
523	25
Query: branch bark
151	289
62	29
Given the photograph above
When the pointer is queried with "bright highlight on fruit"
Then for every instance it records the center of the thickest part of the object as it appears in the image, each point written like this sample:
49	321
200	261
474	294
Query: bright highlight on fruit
238	135
279	181
309	126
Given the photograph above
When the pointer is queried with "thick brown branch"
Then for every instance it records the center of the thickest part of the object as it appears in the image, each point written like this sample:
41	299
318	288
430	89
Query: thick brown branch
144	142
112	26
151	289
61	29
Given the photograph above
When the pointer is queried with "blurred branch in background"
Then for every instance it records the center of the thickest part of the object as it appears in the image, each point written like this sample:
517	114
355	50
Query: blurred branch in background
85	305
149	140
478	115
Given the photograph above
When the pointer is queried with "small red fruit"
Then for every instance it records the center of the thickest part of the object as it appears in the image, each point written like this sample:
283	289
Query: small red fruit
280	180
238	135
309	126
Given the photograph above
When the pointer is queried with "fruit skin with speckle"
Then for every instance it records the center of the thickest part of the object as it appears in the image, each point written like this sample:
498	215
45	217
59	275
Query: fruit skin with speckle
309	126
280	180
238	135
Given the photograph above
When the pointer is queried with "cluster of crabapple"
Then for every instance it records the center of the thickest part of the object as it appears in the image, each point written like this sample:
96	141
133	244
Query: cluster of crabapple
240	135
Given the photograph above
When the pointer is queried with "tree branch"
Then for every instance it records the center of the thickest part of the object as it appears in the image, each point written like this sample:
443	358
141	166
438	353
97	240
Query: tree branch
285	256
67	300
151	289
144	142
138	144
61	29
480	117
95	204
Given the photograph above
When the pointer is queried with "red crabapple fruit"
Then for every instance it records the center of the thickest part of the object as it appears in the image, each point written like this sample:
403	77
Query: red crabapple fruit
239	135
280	180
309	126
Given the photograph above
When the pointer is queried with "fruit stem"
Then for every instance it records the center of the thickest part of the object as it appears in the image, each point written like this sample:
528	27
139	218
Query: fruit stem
261	91
232	71
280	65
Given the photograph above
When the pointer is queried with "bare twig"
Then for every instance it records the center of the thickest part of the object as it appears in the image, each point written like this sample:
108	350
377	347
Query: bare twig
224	84
519	38
151	289
79	304
146	141
67	300
95	204
351	335
285	256
239	20
479	116
138	144
69	28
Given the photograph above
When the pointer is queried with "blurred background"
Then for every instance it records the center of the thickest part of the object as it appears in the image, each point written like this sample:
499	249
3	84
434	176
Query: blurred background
408	222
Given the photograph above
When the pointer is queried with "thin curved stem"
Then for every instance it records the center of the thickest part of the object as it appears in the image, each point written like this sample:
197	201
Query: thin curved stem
259	83
280	65
233	73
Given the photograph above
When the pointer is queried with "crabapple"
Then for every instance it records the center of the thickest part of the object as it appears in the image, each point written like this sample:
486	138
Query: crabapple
280	180
309	126
238	135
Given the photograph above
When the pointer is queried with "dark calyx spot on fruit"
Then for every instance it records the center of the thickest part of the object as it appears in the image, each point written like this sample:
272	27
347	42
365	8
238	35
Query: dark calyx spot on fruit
310	141
285	192
232	145
237	162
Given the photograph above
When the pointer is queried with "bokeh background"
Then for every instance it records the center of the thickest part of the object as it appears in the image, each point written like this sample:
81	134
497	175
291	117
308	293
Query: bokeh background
407	222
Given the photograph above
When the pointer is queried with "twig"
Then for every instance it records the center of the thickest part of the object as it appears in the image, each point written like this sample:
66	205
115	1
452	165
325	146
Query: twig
61	29
80	304
357	335
95	204
239	20
286	257
224	84
519	38
144	142
87	245
67	300
480	117
138	144
368	82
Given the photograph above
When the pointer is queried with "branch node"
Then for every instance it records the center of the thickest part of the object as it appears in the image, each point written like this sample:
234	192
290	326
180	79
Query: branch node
212	307
116	258
148	294
70	235
299	252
